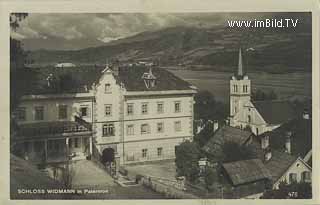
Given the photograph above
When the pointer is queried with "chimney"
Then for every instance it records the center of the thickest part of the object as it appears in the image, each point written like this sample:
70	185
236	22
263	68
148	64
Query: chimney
115	68
215	125
288	142
267	154
265	141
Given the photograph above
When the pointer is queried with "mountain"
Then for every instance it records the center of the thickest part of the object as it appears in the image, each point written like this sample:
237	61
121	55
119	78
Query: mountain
275	50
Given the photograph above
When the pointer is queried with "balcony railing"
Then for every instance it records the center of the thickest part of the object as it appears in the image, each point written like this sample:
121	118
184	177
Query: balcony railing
52	128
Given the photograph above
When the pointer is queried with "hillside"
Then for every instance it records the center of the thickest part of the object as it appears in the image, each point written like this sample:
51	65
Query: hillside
275	50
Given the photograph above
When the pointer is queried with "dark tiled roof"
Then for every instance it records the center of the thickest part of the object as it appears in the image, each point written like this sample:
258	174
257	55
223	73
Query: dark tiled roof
75	79
223	135
279	163
229	134
165	80
275	112
246	171
301	138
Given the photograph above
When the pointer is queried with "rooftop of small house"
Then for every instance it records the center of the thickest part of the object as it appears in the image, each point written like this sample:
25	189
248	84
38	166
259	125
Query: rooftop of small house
49	80
246	171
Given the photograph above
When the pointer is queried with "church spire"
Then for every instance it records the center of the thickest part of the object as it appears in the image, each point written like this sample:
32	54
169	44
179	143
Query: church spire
240	72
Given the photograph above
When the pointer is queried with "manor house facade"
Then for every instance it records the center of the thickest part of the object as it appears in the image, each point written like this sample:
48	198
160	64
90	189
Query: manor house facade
130	115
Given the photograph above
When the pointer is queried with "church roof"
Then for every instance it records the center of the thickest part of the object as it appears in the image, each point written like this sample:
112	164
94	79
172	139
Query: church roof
275	112
246	171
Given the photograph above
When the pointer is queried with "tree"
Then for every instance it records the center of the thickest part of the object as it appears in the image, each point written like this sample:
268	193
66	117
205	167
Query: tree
18	80
234	152
187	157
260	95
207	108
203	137
211	176
300	190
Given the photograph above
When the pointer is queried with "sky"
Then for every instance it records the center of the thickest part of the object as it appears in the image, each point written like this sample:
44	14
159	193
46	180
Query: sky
77	31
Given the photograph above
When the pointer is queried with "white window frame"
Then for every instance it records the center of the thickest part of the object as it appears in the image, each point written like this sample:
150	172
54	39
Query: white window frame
144	108
160	111
177	126
179	107
105	110
147	131
160	125
132	108
107	88
130	129
110	130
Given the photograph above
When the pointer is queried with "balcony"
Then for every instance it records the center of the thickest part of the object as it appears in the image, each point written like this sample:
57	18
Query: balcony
51	129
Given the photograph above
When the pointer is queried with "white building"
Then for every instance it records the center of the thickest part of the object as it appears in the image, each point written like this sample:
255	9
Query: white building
124	114
259	116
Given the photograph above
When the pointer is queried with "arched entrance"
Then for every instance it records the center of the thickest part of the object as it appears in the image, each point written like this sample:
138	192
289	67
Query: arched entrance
107	159
108	155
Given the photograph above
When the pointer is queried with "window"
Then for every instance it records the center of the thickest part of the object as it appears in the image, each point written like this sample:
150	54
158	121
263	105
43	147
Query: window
130	109
145	129
306	176
144	153
108	110
84	111
177	126
107	88
245	88
159	151
21	113
160	107
130	130
177	106
144	108
39	113
108	129
292	178
63	109
160	127
249	118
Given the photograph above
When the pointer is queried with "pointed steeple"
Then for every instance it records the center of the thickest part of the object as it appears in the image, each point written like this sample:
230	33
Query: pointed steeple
240	71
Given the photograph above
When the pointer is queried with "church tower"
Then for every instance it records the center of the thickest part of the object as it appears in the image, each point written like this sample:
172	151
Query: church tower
240	89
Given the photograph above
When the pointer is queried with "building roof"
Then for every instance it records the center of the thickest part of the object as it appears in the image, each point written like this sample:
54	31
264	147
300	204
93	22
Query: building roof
80	79
246	171
279	163
229	134
223	135
275	112
301	138
165	80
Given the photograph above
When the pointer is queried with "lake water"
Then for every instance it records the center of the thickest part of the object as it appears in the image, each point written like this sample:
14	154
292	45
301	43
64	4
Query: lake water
291	85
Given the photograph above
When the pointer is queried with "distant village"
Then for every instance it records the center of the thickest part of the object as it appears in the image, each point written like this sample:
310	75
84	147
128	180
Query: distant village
132	124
